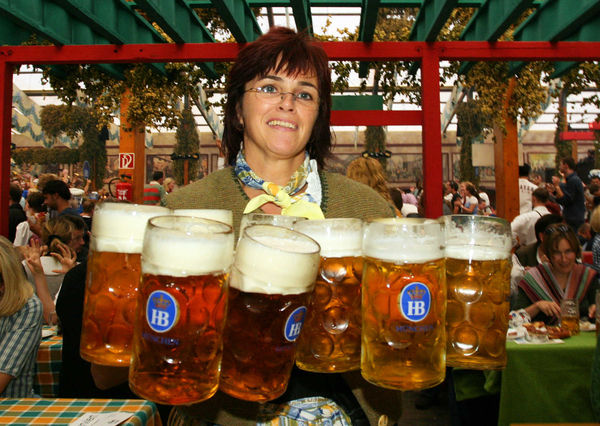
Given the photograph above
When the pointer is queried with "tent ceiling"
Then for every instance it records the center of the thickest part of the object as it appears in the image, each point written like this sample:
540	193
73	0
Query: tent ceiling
83	22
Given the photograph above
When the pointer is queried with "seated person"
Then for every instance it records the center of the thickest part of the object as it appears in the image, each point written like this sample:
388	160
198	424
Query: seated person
20	326
544	286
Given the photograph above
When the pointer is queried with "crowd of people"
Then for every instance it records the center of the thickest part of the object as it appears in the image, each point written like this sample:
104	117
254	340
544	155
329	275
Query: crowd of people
276	141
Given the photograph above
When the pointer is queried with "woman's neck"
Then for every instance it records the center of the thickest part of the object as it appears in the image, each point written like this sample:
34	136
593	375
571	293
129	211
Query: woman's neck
561	278
277	170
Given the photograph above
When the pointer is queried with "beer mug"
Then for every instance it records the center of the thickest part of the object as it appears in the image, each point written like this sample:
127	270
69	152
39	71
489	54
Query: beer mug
113	276
177	342
220	215
272	280
478	265
403	304
330	340
569	316
268	219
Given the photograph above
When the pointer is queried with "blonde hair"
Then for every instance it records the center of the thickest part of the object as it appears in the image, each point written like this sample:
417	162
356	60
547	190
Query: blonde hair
17	289
55	230
167	182
595	220
370	172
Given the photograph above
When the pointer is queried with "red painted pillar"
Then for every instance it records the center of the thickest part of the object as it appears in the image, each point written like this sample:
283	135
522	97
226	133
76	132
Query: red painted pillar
431	133
6	73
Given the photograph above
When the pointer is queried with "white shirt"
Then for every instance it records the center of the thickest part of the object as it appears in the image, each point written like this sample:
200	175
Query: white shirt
526	188
523	226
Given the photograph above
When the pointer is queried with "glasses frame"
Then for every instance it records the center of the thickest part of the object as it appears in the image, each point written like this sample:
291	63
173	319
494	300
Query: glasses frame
274	97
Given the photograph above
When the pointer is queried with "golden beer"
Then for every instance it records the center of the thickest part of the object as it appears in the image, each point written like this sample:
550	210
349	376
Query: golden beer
271	283
478	269
177	342
570	323
403	304
569	316
113	276
330	340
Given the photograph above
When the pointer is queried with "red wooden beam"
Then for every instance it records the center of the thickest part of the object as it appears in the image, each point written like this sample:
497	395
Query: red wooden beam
432	135
375	51
6	72
594	125
577	136
376	118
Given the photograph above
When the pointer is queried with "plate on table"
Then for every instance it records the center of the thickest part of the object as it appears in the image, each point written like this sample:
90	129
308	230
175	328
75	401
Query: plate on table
515	333
48	331
587	326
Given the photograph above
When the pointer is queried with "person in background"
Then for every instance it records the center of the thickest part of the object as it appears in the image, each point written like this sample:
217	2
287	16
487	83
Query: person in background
543	287
523	225
526	188
87	213
584	235
569	193
57	197
450	188
20	326
169	185
16	214
369	171
595	244
154	192
277	137
469	201
36	215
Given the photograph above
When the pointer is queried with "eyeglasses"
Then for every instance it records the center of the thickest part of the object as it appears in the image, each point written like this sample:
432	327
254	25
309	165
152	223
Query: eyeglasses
272	95
557	228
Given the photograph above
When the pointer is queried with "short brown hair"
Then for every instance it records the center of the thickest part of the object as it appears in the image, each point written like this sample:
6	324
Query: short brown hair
557	232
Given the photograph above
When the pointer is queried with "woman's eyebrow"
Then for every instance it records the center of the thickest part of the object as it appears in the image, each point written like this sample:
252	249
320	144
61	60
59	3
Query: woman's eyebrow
280	79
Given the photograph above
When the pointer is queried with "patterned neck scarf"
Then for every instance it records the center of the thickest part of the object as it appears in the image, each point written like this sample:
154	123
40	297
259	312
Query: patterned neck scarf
292	202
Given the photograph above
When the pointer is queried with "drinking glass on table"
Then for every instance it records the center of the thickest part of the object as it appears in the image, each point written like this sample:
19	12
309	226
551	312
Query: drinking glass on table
569	316
220	215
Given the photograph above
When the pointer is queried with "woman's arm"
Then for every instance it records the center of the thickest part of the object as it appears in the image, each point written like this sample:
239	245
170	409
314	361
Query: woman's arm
4	381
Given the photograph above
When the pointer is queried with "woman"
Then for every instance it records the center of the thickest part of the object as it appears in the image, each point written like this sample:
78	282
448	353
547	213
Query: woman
20	326
56	257
369	171
169	185
544	286
276	140
469	202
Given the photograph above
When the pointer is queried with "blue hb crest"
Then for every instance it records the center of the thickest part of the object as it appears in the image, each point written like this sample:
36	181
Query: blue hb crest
293	324
162	311
415	301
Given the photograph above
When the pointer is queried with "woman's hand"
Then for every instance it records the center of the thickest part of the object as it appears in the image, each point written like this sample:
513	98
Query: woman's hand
549	308
592	311
32	255
66	257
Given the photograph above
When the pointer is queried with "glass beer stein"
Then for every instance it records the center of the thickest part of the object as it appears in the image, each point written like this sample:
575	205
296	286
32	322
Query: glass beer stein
220	215
478	268
177	341
330	340
272	280
113	277
403	304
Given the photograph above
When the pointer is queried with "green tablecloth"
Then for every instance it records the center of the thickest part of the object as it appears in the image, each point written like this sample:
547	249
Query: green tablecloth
548	383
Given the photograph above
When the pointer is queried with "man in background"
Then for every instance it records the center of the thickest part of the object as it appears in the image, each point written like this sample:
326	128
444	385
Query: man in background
57	197
526	188
154	192
569	193
16	214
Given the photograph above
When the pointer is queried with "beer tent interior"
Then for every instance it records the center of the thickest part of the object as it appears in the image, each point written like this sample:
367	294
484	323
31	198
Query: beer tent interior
114	32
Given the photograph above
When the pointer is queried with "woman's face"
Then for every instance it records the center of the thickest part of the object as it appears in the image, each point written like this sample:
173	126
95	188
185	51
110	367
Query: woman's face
563	259
278	128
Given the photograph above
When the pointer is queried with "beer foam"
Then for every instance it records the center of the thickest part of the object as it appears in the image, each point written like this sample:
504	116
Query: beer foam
220	215
337	238
119	227
275	262
404	240
475	252
187	247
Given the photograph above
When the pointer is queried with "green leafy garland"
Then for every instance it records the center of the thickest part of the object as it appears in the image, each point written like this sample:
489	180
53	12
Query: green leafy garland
472	122
188	144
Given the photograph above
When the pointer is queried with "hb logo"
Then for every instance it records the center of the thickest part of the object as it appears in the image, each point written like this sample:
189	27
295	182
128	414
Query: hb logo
415	301
162	311
293	324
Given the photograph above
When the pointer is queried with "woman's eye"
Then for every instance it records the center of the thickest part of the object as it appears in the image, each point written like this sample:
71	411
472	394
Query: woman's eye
268	89
305	96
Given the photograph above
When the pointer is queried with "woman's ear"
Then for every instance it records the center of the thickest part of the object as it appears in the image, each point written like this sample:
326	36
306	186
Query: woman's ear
240	118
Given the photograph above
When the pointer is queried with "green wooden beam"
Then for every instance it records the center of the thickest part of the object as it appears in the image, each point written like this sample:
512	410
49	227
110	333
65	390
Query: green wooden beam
239	19
431	19
356	103
558	20
12	34
302	15
490	21
561	68
368	20
348	3
179	21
